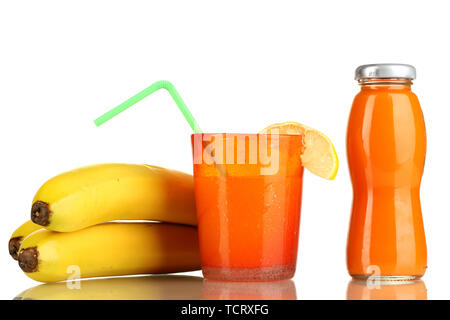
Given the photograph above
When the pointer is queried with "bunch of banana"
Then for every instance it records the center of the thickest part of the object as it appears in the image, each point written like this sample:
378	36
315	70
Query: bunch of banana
71	236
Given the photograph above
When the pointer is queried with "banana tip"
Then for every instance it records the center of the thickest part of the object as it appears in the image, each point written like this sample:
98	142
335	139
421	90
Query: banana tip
40	213
28	259
13	246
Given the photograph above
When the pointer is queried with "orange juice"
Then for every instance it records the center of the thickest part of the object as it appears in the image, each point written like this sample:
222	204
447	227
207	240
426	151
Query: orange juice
386	145
248	205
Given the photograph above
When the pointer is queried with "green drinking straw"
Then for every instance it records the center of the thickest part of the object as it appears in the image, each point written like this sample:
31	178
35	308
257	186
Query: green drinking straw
146	92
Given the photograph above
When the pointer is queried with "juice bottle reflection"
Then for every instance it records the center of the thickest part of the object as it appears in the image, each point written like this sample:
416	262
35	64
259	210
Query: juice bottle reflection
385	290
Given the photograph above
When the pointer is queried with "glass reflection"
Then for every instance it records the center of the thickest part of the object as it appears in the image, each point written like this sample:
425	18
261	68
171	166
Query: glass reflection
123	288
386	290
274	290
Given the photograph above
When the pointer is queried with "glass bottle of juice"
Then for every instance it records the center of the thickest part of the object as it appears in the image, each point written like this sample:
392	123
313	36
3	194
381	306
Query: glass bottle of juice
386	145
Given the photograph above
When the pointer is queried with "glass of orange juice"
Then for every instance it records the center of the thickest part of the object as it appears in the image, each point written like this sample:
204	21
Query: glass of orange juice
248	190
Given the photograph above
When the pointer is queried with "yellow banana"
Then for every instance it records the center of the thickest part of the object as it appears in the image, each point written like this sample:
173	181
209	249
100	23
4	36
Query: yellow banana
110	249
17	237
95	194
123	288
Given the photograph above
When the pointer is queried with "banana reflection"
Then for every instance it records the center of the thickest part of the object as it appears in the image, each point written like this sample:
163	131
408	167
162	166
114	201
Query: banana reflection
124	288
275	290
160	288
385	290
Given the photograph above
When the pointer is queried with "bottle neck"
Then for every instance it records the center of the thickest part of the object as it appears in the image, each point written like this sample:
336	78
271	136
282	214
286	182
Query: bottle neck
394	83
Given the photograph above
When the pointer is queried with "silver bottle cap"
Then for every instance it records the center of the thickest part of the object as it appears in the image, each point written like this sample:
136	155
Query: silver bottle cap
385	71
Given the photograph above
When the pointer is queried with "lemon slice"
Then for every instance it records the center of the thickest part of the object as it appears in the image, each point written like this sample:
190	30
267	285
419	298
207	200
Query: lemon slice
319	155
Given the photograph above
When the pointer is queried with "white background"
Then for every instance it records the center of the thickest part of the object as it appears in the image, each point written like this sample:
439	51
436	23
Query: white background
239	65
